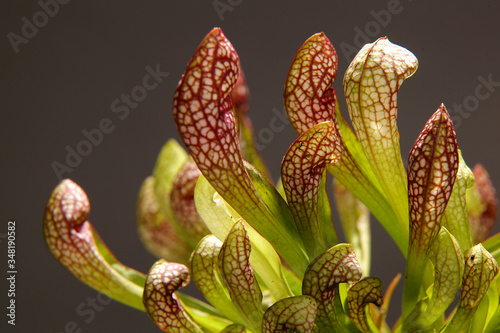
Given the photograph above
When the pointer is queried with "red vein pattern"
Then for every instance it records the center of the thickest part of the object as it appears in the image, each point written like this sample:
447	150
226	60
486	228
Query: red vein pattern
337	265
162	306
480	270
308	93
362	293
371	84
206	276
301	170
203	112
203	269
182	201
238	275
432	168
295	314
203	109
70	238
309	99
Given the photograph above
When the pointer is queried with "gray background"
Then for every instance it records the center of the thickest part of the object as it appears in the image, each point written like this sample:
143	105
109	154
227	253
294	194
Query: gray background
65	78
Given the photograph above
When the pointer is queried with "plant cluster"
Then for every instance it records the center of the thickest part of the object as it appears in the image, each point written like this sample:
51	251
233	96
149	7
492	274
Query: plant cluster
267	258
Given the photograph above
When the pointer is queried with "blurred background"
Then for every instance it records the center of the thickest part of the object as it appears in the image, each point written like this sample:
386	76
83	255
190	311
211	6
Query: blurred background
65	63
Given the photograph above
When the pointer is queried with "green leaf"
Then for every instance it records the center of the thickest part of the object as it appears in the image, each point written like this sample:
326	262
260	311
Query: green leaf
155	230
234	328
432	168
355	173
273	200
161	303
447	257
74	243
202	313
371	83
238	276
206	276
205	120
455	217
321	281
220	218
480	270
302	171
170	161
295	314
492	245
355	219
486	309
293	281
493	317
359	296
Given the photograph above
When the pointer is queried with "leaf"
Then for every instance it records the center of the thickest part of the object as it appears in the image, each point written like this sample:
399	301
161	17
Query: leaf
203	314
371	83
482	202
160	301
74	243
239	278
302	170
155	230
220	218
206	276
432	168
492	245
293	281
310	100
321	281
309	79
295	314
492	321
355	173
273	200
381	314
182	202
447	257
168	164
355	219
203	112
360	295
455	217
234	328
480	270
486	309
